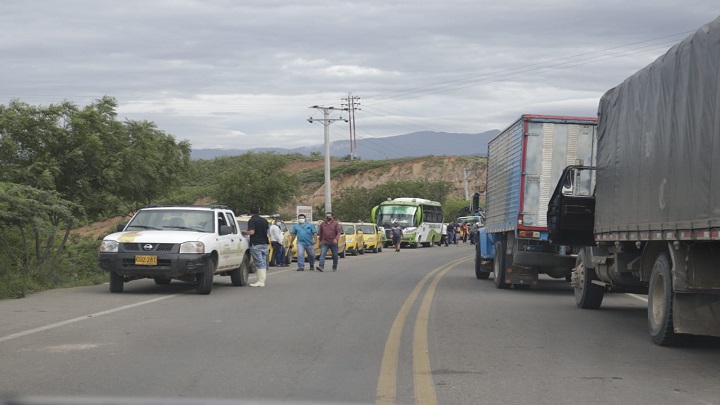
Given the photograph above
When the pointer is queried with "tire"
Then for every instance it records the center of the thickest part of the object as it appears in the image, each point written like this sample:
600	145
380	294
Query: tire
660	304
482	271
162	280
500	265
587	294
239	277
116	282
205	278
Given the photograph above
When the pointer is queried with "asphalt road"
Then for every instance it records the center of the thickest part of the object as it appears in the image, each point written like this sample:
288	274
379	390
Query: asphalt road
408	327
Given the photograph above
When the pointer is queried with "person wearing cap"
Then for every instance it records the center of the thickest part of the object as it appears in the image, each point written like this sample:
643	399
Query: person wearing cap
329	232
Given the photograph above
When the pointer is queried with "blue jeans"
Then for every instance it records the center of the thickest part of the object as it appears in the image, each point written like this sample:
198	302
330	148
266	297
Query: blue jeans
301	249
323	251
279	253
260	254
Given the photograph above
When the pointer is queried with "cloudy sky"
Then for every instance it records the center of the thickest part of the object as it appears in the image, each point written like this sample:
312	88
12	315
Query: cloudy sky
243	74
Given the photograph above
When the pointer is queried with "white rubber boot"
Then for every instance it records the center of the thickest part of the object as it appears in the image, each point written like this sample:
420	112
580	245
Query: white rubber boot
261	275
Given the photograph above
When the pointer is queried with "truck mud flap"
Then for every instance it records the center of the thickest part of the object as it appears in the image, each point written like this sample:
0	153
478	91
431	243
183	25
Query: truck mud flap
539	259
517	275
696	313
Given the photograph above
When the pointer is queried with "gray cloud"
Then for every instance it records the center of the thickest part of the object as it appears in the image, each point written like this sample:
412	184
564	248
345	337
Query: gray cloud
243	74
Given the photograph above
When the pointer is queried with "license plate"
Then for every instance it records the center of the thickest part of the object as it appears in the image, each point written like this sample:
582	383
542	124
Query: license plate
146	260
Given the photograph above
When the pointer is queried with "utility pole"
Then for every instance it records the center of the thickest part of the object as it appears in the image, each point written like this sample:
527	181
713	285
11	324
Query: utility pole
466	176
351	106
326	121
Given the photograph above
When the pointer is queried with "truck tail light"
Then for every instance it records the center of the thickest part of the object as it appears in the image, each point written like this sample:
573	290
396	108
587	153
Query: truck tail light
520	219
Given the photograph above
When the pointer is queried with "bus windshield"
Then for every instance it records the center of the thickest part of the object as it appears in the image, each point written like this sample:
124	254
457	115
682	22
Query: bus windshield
402	214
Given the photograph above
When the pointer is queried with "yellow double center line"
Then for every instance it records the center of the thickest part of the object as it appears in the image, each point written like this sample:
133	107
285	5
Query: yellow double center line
422	374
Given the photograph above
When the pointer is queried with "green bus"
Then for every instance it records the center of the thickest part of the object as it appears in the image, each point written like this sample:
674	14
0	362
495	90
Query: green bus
420	219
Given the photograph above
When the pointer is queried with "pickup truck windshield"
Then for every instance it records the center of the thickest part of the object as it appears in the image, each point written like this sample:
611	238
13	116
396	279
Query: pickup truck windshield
173	219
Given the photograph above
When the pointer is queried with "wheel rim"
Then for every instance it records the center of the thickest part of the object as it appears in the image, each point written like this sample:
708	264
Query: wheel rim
580	271
658	299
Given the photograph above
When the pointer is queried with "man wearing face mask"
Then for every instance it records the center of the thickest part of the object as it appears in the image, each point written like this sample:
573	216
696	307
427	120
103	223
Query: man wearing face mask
329	233
305	233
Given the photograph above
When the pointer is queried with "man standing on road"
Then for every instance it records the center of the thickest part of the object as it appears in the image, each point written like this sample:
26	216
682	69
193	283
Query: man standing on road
305	233
397	233
258	231
473	230
276	238
329	233
443	234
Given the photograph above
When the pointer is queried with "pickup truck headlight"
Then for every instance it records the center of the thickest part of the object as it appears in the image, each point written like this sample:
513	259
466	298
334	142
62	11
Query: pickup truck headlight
192	247
349	239
109	246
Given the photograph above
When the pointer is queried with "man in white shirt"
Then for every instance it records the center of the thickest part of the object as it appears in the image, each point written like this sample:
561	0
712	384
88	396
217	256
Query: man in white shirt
276	238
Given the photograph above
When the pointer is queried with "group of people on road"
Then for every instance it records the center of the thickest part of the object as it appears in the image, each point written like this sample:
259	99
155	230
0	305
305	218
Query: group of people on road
261	234
453	232
328	231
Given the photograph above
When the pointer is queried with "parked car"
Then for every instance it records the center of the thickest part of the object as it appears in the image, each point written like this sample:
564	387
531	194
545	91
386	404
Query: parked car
188	243
354	241
372	237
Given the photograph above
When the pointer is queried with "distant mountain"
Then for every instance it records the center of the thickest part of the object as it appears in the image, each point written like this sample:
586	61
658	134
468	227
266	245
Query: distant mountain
409	145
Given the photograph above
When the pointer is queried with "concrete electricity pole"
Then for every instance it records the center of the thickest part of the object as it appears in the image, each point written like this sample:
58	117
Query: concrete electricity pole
326	121
466	176
350	107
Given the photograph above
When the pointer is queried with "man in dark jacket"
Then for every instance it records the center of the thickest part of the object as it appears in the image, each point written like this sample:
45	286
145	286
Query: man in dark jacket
329	232
258	231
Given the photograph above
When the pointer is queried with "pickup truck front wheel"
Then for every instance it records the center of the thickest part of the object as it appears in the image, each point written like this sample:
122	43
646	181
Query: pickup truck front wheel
205	278
116	282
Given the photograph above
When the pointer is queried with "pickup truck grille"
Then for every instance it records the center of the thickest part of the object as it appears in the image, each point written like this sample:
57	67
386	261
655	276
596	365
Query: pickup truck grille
157	247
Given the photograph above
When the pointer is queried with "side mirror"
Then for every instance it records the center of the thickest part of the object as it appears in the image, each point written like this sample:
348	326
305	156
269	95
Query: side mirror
225	230
120	227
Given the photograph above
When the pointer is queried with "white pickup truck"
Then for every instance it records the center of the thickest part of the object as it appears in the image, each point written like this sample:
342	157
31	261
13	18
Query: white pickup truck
188	243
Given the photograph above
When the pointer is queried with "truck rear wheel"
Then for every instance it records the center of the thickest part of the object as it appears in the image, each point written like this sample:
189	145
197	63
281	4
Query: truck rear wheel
660	305
482	271
587	294
500	265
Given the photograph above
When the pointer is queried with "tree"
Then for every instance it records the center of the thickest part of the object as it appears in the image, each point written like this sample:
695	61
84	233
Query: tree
153	164
256	180
89	157
34	217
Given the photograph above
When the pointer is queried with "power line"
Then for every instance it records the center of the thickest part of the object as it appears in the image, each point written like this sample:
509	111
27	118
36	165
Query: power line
490	75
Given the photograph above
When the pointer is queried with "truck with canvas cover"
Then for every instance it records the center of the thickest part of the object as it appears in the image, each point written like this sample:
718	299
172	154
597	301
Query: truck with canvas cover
648	210
525	162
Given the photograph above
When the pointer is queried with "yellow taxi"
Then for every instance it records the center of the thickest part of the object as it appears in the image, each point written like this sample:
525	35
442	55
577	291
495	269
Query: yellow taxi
372	237
242	222
354	242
